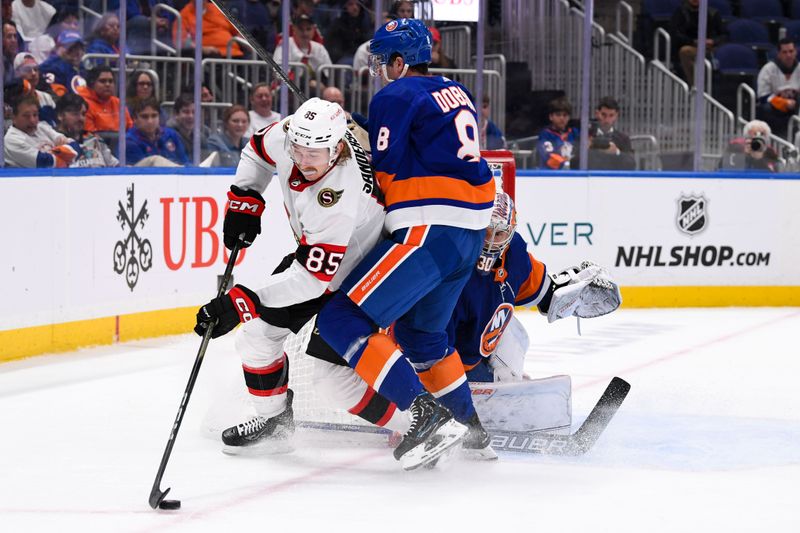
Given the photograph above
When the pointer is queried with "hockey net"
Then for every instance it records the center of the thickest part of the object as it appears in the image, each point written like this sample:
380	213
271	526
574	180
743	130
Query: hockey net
309	410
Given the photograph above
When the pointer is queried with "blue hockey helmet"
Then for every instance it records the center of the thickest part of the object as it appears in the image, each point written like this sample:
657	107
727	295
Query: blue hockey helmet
408	37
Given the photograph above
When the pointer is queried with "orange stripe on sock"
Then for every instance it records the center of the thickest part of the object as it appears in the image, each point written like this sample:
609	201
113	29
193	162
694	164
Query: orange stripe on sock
378	352
443	374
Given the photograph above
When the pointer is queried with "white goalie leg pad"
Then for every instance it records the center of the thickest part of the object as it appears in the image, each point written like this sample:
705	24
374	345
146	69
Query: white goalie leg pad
586	291
527	405
340	387
260	345
508	359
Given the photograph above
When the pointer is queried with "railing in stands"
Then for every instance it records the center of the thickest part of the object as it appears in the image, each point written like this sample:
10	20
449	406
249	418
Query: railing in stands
156	44
457	45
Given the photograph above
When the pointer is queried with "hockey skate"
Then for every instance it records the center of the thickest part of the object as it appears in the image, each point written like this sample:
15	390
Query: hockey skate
433	431
477	443
260	435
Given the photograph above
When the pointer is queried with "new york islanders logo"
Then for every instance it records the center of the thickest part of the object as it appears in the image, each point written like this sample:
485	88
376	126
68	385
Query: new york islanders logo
391	26
495	328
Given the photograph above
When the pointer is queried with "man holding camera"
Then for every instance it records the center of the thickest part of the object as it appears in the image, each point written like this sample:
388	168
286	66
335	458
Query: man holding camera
751	152
609	148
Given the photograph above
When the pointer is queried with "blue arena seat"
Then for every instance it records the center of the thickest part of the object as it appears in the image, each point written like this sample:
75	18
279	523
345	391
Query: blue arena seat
748	32
736	59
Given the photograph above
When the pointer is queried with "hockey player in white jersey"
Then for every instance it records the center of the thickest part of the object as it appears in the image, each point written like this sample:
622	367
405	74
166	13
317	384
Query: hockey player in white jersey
336	215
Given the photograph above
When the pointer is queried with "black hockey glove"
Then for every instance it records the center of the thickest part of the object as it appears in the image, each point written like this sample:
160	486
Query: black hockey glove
243	216
228	311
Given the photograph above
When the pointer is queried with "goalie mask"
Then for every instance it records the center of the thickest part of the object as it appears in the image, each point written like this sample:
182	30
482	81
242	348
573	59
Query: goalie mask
313	135
499	233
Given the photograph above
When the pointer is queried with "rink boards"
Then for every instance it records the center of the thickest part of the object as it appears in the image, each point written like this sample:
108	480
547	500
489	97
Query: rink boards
93	259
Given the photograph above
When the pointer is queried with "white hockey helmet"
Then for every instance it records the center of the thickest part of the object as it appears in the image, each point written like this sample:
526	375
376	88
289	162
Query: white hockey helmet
499	232
317	124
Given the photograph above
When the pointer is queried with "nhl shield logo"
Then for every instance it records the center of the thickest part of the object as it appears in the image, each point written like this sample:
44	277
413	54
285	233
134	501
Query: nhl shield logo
692	216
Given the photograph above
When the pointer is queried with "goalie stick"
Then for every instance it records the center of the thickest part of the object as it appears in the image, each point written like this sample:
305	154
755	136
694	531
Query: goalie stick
577	443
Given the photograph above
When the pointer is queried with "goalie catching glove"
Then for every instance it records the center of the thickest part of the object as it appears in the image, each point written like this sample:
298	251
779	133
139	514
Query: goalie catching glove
245	208
228	311
586	291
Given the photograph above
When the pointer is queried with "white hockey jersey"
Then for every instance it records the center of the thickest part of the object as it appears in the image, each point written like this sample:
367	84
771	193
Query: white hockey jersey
336	219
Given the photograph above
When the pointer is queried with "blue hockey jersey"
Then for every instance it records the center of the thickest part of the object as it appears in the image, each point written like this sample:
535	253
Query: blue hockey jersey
486	304
425	149
555	149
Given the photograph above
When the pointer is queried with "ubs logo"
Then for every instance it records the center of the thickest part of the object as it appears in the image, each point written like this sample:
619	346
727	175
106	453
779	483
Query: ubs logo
133	253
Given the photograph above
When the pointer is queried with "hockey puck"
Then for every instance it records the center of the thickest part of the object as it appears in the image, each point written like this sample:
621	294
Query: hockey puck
170	504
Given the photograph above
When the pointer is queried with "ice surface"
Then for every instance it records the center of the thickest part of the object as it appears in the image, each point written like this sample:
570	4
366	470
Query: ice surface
708	440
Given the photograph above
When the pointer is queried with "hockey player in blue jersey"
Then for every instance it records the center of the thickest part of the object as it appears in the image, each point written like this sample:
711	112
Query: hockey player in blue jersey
492	343
439	198
558	142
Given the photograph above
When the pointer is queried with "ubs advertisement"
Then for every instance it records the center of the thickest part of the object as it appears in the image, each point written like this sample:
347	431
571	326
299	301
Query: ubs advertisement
94	246
665	231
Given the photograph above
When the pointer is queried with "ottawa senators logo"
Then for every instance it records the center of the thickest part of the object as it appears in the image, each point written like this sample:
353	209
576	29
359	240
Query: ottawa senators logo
495	328
329	197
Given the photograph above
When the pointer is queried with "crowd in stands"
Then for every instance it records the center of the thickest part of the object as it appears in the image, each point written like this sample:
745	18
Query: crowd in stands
45	47
58	97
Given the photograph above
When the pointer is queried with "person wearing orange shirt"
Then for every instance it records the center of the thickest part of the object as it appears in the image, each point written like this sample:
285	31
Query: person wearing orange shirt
217	31
103	113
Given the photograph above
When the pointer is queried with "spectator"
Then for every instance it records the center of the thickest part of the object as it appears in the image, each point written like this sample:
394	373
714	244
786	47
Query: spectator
261	114
557	142
105	36
94	153
103	106
683	28
438	58
150	145
32	17
33	144
183	123
778	88
258	19
606	115
304	8
65	19
347	32
333	94
609	148
10	48
217	31
231	140
402	9
302	49
491	137
141	84
26	68
64	64
752	151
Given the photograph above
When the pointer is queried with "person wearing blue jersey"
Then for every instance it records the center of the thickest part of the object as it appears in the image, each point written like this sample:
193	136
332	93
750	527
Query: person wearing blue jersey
491	341
558	142
439	194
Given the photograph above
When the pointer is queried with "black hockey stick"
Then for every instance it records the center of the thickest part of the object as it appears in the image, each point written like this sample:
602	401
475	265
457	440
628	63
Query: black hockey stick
156	494
577	443
260	51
